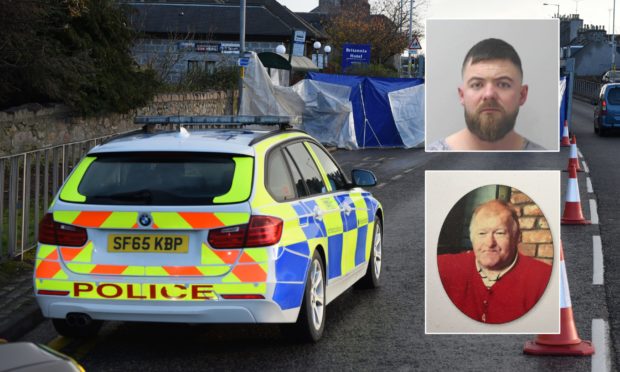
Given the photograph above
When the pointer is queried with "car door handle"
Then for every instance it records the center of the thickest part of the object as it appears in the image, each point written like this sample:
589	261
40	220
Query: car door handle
317	213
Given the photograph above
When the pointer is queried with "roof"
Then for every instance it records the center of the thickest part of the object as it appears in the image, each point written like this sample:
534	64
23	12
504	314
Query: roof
264	18
234	141
281	61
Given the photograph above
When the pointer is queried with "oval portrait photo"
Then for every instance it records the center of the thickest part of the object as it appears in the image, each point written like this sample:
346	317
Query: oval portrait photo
495	254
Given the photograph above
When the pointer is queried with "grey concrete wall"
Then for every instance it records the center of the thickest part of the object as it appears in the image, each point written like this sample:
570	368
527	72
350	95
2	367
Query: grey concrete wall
34	126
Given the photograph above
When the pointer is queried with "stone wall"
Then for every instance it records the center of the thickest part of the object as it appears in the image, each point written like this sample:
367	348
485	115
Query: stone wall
34	126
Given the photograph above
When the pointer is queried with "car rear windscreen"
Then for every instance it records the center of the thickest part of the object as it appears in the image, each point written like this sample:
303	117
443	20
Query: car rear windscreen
613	96
159	178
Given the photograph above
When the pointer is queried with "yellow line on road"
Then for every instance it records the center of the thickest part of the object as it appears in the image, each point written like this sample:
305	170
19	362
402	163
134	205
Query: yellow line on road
59	343
85	348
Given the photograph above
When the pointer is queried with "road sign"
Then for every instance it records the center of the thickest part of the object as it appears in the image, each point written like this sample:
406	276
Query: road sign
355	53
415	44
243	62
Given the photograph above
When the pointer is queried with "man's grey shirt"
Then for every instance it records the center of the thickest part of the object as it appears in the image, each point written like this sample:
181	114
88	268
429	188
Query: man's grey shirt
442	145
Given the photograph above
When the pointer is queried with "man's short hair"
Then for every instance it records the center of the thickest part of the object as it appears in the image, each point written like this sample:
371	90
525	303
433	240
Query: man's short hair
489	49
495	203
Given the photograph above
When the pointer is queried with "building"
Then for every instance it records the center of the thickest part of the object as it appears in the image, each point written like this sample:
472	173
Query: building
179	36
589	45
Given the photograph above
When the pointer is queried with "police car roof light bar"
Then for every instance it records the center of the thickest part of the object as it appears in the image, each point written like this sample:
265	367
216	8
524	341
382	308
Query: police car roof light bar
281	121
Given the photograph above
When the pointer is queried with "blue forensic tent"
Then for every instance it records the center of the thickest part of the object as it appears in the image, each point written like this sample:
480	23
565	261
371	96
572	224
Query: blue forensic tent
372	111
564	81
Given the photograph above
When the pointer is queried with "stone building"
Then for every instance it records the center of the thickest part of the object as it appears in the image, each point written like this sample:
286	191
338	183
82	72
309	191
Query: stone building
178	36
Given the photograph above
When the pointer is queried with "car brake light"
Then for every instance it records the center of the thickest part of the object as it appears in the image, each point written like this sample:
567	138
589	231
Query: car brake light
604	107
55	233
261	231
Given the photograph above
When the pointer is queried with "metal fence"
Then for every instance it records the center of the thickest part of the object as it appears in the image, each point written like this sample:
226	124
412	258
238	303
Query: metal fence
586	89
28	184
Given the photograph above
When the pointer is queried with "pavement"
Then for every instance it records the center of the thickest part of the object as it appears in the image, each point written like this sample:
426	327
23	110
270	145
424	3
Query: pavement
19	312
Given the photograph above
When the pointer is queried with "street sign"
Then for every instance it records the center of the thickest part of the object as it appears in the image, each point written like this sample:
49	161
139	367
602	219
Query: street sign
207	47
299	42
230	48
243	62
355	54
415	44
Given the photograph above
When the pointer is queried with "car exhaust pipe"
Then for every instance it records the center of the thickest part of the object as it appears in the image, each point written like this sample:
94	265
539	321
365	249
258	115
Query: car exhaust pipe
78	319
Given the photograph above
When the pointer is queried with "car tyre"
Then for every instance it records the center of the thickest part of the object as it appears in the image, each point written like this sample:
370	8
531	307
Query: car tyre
311	320
373	273
89	329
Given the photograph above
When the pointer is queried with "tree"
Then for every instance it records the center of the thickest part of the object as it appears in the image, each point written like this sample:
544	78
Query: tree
383	27
71	51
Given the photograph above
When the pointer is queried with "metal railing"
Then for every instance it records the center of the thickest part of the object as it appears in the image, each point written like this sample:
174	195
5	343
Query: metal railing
586	89
28	183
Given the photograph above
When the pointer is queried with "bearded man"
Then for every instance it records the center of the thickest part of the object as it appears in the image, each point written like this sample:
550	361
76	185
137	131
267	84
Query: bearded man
491	94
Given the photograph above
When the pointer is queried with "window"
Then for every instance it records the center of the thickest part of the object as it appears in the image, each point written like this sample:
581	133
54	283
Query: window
307	168
210	67
334	175
279	181
297	180
193	66
158	178
613	96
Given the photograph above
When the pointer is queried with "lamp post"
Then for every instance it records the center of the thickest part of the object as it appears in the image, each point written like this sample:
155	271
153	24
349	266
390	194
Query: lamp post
317	46
613	42
327	49
558	5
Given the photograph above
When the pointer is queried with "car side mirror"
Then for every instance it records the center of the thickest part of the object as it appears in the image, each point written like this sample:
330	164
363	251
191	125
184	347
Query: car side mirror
363	178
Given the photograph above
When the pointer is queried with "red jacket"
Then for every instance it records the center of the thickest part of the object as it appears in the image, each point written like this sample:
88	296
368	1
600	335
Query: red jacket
513	295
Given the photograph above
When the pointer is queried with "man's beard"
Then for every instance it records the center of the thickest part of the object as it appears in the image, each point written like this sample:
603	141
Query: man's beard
491	128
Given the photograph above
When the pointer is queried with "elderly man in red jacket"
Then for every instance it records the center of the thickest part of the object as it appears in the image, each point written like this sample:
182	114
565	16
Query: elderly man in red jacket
494	283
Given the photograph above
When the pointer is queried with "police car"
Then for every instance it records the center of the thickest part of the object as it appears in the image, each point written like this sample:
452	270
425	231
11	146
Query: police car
206	226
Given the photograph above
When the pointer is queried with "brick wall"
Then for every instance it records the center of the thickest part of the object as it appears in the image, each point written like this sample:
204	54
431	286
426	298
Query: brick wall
536	236
34	126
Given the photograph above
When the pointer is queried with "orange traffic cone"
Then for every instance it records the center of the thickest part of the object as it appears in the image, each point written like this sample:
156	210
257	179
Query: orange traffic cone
572	207
573	160
568	341
565	140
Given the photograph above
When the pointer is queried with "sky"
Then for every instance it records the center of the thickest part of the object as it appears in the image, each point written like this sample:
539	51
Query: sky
596	12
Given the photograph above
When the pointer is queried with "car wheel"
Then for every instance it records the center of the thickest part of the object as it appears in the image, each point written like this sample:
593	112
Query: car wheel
601	132
77	329
373	273
311	321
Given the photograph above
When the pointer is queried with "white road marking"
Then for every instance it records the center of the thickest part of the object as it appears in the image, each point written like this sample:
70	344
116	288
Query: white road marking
580	154
600	359
380	186
585	166
598	270
366	158
409	170
593	213
396	177
381	159
358	165
589	185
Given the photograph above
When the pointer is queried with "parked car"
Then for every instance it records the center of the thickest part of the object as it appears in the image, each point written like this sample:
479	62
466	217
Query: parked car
607	110
611	76
207	226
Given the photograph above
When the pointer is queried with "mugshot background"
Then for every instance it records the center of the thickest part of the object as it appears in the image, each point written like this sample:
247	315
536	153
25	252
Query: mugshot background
443	190
536	42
